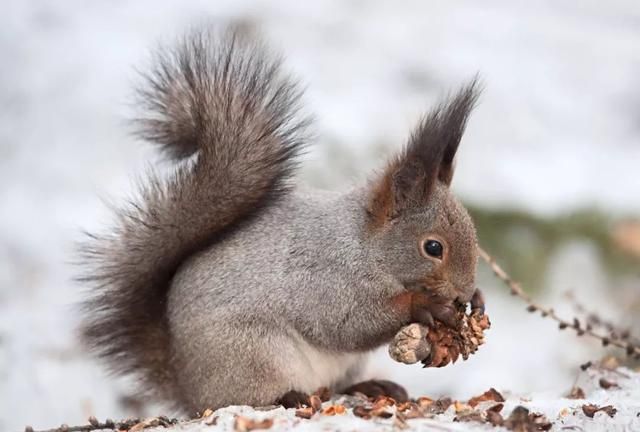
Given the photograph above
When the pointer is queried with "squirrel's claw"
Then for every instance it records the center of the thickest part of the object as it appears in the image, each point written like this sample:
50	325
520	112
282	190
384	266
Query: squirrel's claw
477	301
431	308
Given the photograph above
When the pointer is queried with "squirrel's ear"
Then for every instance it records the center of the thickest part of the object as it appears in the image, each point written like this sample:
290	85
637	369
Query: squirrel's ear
427	158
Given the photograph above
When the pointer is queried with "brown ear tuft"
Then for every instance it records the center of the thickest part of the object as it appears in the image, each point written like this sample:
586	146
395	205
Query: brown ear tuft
455	121
428	157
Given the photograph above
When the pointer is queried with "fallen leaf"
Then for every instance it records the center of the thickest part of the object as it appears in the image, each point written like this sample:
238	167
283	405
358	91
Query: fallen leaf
413	412
323	393
305	413
332	410
606	384
381	412
521	419
495	418
362	412
400	421
148	423
591	409
424	401
315	402
496	408
383	401
244	424
459	406
490	395
576	393
404	406
439	406
610	363
470	415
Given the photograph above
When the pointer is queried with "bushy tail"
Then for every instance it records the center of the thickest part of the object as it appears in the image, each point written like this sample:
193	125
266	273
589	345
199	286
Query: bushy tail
223	101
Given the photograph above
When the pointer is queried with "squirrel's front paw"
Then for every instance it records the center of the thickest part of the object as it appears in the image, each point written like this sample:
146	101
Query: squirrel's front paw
425	309
410	344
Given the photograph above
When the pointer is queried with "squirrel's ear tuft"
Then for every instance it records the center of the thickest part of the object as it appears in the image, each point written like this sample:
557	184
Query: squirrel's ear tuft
427	158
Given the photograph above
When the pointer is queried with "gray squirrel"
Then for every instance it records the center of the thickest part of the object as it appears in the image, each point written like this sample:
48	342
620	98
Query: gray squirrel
224	284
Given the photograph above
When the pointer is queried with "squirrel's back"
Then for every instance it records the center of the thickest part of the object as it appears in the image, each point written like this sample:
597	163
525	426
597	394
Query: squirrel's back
221	108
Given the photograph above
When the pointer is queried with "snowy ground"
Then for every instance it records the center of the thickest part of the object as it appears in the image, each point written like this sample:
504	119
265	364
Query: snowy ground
613	395
558	128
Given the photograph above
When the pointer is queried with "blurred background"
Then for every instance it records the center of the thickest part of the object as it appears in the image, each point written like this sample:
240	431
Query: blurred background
549	166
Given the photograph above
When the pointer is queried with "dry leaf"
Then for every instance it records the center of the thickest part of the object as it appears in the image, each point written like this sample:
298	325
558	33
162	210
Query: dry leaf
413	412
591	409
576	393
606	384
362	412
323	393
334	409
244	424
383	401
496	408
490	395
469	415
610	363
459	406
439	406
148	423
305	413
495	418
381	412
523	420
404	406
424	401
400	422
315	402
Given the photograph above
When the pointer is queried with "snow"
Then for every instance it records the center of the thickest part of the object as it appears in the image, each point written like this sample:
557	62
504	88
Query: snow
566	414
557	129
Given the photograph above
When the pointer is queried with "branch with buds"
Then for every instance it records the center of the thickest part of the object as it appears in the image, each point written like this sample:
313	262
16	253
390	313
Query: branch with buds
587	329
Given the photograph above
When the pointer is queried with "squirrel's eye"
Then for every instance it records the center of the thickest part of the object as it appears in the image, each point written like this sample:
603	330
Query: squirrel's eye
433	248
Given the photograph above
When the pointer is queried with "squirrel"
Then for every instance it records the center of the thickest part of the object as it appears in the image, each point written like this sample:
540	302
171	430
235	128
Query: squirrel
223	283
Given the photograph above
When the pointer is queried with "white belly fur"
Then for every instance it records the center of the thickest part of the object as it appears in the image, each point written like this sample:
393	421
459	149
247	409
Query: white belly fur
315	368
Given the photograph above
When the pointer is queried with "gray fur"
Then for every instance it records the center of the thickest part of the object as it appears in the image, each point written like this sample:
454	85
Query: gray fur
226	101
222	286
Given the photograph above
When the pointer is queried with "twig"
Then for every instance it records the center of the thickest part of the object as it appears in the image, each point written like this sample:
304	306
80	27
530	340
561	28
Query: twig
108	424
516	290
594	320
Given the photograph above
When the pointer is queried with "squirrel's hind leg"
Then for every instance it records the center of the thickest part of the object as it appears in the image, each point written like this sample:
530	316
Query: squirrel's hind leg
293	399
373	388
219	361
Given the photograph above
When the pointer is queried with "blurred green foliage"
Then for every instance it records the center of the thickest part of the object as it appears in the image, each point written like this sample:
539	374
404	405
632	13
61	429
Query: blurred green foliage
524	243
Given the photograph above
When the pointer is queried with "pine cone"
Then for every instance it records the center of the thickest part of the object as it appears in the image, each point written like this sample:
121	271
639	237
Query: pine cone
448	344
441	345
